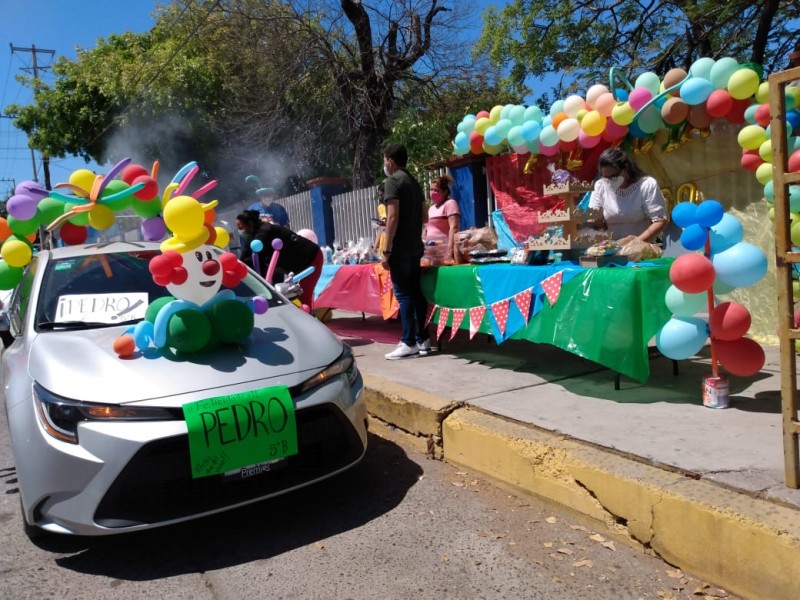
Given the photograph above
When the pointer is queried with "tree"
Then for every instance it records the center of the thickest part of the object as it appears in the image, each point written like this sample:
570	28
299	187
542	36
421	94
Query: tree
583	39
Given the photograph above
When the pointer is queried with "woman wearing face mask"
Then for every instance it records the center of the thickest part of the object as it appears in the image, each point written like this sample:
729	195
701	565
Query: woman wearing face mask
444	216
631	201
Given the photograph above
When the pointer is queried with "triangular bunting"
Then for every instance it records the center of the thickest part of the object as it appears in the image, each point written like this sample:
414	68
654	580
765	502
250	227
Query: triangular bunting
523	302
458	316
552	287
431	309
475	318
500	312
443	314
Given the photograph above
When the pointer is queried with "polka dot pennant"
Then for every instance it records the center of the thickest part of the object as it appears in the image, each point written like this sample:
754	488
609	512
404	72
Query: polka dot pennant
523	302
475	318
431	309
500	312
458	316
443	314
552	287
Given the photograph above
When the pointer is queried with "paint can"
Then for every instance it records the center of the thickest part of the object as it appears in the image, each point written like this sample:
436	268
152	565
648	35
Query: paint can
715	392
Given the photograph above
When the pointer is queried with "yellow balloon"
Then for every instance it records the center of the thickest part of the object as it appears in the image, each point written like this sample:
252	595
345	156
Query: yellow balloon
593	123
792	97
743	84
492	149
771	213
184	216
101	217
223	237
762	93
622	113
751	137
765	151
482	124
16	253
795	289
83	178
581	113
494	114
764	173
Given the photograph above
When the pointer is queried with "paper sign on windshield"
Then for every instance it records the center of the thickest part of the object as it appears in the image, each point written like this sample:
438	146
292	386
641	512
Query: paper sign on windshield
230	432
102	308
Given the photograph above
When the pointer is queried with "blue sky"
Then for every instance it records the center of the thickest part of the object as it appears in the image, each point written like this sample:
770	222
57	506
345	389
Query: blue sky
63	25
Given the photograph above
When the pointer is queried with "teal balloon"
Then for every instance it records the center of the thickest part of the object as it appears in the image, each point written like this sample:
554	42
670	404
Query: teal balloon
709	213
517	114
682	337
722	70
503	126
515	136
682	304
530	131
650	120
725	234
693	237
533	113
721	288
683	214
556	107
492	136
741	265
794	198
769	192
702	68
548	136
750	114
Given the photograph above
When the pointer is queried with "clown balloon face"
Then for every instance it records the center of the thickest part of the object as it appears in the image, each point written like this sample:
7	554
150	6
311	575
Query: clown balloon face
204	276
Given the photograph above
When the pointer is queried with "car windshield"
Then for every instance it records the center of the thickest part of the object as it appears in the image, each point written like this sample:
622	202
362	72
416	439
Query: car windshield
105	290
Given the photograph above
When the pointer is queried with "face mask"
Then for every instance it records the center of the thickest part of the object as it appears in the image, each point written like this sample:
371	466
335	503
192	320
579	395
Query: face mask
615	182
386	171
437	196
266	201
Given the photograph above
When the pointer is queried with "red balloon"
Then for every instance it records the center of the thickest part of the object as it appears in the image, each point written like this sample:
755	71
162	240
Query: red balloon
483	113
719	103
729	321
567	146
794	162
692	273
476	143
762	115
131	172
72	234
735	115
751	160
150	189
743	357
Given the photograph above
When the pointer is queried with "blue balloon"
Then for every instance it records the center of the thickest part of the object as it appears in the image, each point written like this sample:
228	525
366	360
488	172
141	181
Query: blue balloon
683	214
256	245
709	213
741	265
636	131
682	304
492	136
693	237
726	233
530	131
682	337
696	90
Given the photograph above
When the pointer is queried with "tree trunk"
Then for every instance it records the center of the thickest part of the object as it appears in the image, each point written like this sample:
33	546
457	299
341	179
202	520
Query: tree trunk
367	148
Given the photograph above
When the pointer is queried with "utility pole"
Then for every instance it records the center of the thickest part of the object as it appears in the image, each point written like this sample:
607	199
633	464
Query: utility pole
34	51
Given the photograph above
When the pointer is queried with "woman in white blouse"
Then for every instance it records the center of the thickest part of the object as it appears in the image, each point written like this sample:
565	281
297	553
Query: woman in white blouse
631	201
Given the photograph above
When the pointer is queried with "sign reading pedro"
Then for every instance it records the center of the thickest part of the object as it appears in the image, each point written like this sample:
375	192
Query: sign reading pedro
230	432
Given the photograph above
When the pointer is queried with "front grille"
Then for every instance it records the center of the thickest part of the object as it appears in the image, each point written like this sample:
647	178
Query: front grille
157	485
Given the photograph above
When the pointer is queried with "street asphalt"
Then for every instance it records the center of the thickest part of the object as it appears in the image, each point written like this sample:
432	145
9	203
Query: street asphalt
706	482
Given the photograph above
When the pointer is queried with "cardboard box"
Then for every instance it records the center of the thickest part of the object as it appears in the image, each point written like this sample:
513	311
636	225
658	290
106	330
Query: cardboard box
601	261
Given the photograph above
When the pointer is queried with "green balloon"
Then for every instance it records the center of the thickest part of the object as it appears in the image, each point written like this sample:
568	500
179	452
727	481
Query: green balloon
81	219
49	209
155	307
146	209
231	321
188	330
114	187
23	228
9	276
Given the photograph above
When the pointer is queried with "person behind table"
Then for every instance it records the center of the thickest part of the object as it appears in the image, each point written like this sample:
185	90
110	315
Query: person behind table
298	253
404	249
630	200
379	243
444	216
268	209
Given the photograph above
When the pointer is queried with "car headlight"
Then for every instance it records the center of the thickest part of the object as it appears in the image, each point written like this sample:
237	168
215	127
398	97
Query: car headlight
60	416
344	365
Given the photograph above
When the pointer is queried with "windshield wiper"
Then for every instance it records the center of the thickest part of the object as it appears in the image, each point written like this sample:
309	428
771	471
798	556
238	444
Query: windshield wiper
74	324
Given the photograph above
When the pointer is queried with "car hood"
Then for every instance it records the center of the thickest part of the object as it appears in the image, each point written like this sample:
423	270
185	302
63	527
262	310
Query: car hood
287	346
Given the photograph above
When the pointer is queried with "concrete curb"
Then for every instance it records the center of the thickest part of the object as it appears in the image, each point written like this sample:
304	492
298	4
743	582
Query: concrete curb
747	545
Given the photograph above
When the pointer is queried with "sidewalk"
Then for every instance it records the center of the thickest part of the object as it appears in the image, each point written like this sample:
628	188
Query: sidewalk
701	487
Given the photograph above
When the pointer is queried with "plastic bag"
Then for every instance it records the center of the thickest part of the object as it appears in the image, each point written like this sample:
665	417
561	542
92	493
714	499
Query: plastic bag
477	238
636	250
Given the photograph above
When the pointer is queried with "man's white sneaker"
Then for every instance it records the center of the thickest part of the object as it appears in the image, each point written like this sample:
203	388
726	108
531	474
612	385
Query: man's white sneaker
402	351
424	347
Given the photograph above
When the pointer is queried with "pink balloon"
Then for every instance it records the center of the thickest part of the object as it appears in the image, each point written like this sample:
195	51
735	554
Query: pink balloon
692	273
588	141
614	131
605	104
639	97
308	234
548	150
729	321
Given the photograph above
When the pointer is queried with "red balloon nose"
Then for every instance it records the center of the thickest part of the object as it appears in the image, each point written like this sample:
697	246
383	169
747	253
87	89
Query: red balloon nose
210	267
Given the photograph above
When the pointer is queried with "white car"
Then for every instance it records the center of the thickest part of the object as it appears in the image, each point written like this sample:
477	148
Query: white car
106	444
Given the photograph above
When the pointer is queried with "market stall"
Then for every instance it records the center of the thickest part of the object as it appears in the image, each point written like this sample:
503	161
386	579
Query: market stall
607	315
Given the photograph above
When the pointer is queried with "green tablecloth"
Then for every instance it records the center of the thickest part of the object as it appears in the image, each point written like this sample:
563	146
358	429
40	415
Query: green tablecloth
607	315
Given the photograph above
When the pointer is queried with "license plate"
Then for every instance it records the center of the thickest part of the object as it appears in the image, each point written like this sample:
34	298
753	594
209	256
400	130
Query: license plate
254	470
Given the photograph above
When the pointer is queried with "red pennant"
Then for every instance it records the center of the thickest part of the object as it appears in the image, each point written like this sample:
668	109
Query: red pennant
523	302
431	309
552	287
458	316
475	318
500	312
443	314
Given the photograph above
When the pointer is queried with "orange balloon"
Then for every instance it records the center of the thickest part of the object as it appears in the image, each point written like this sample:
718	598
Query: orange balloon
211	216
559	118
5	230
124	345
31	238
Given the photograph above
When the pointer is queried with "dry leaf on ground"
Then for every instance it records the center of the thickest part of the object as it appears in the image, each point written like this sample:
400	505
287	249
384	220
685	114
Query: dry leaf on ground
319	545
609	545
564	551
583	563
597	537
551	520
